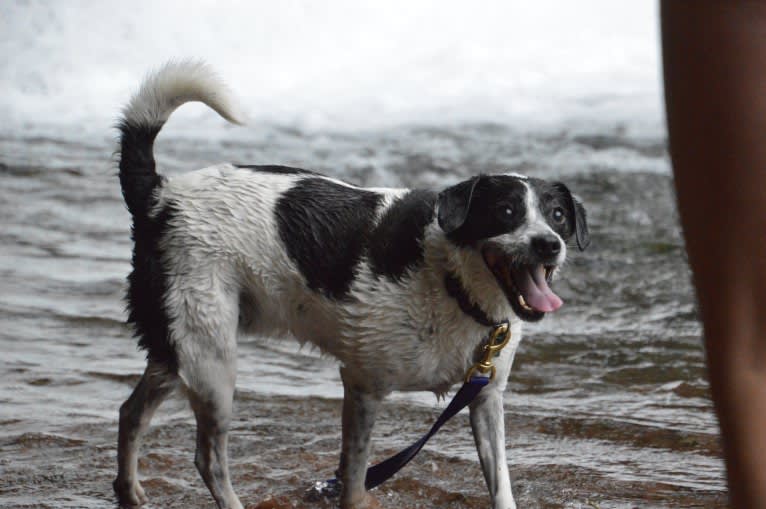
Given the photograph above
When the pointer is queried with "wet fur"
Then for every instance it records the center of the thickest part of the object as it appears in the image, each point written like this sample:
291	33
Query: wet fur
283	252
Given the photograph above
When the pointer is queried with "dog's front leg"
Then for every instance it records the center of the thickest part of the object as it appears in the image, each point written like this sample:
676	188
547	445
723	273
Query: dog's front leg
488	425
359	410
489	433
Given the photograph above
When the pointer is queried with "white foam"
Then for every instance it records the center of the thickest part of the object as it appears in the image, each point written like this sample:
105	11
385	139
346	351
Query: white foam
341	64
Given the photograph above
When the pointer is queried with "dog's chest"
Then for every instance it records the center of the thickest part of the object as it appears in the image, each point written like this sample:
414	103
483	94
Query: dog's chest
407	337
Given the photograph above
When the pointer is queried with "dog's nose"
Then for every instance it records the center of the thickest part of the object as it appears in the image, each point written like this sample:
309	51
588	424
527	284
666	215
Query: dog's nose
546	246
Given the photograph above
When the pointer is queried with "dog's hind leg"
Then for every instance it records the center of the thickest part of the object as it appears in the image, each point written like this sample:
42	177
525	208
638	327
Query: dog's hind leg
155	385
211	399
206	330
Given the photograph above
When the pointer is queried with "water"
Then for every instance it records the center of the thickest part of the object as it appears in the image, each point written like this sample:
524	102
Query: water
607	403
607	406
341	64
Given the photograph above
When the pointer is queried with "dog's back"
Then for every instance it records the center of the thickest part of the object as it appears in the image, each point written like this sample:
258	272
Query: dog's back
279	251
270	249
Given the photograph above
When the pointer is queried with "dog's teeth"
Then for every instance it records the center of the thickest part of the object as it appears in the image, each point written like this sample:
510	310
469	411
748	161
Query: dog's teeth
524	303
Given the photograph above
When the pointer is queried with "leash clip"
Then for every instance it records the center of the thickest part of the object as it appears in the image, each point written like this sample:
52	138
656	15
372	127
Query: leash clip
498	338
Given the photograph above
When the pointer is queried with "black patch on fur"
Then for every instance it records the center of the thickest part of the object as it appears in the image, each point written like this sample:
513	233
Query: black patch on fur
325	227
454	203
138	175
553	195
147	283
396	243
456	290
147	286
486	203
273	168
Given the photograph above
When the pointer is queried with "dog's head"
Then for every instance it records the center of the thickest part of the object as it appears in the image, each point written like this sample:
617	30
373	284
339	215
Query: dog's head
521	227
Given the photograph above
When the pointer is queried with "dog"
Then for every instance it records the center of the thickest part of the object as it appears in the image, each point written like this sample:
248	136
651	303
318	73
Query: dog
400	285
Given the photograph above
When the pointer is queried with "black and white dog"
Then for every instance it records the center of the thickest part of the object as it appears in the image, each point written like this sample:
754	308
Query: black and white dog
400	285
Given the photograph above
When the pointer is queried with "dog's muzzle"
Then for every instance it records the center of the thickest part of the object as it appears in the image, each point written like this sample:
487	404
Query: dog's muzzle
526	285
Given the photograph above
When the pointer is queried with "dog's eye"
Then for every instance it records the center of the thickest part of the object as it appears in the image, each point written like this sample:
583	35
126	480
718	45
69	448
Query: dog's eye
504	211
558	215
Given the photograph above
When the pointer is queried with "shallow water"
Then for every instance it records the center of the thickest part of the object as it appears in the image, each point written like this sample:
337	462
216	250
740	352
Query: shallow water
607	406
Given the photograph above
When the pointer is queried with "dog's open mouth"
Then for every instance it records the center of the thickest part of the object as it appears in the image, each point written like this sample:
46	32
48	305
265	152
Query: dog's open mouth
525	286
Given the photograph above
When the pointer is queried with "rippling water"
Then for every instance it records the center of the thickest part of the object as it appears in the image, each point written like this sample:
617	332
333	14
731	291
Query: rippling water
607	407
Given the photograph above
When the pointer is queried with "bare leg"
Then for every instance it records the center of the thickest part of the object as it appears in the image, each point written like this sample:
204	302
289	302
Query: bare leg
135	414
359	411
713	52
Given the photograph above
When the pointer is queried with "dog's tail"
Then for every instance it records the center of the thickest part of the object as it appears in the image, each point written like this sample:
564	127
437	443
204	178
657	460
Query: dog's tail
160	94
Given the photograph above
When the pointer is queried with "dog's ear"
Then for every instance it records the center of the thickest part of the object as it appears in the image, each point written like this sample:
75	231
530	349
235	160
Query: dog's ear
581	225
454	203
578	211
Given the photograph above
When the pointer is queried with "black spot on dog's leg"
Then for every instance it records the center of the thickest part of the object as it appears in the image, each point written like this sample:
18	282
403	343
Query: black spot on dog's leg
325	227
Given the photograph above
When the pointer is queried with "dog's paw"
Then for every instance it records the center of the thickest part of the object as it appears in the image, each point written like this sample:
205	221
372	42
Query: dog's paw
129	494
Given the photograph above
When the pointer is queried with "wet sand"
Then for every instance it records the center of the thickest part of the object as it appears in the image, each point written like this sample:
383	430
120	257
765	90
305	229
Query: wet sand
279	446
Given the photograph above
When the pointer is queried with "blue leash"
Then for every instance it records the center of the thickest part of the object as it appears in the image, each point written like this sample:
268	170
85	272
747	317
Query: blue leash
380	473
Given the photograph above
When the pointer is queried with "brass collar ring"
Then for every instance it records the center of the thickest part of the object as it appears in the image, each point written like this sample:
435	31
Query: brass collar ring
498	338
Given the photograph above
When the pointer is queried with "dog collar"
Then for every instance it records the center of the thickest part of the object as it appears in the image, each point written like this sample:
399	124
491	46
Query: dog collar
456	290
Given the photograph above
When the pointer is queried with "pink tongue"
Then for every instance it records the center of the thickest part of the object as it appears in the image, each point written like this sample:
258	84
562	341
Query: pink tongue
535	290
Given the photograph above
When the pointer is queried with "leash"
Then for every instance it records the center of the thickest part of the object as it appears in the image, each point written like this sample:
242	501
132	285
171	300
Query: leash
477	376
